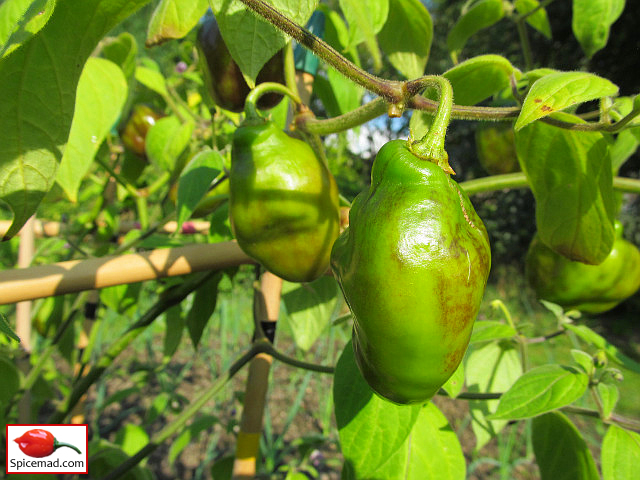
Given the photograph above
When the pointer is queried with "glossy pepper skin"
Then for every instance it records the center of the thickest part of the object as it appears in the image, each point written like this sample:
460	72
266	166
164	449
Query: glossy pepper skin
589	288
283	202
141	119
413	265
224	80
496	148
39	443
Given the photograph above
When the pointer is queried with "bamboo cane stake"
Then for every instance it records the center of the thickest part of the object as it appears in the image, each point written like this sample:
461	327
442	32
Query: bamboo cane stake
26	249
266	309
53	229
78	275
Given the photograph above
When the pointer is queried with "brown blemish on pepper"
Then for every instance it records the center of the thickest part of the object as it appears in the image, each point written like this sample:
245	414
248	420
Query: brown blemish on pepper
546	108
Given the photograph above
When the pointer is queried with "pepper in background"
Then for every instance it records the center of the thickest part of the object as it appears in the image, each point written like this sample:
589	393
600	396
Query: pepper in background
496	148
577	286
224	80
40	443
283	202
141	119
413	265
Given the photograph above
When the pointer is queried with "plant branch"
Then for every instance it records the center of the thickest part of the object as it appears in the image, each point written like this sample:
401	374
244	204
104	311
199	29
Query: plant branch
390	90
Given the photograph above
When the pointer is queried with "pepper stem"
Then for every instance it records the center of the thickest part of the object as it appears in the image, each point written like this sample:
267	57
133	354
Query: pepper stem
250	107
431	146
57	445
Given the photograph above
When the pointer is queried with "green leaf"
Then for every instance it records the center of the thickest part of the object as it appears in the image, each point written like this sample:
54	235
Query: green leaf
480	77
158	406
337	93
190	434
204	303
620	454
481	15
406	37
11	380
101	94
486	330
122	51
174	19
557	91
366	18
541	390
454	385
371	429
625	145
592	20
122	299
173	331
251	40
538	20
153	80
570	176
195	180
492	368
38	83
431	450
166	140
561	452
20	20
131	438
584	360
309	308
6	329
592	338
609	395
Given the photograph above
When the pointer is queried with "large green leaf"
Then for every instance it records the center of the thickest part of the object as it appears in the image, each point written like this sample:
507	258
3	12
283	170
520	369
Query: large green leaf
102	91
20	20
620	454
251	40
541	390
309	308
431	451
481	15
561	452
406	37
560	90
491	368
38	82
174	19
592	20
371	429
570	176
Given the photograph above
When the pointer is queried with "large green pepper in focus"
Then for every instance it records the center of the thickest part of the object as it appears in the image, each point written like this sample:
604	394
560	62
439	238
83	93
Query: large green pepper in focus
283	202
588	288
413	265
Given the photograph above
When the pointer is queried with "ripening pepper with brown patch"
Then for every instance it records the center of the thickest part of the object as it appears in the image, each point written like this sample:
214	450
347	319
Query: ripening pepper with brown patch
413	265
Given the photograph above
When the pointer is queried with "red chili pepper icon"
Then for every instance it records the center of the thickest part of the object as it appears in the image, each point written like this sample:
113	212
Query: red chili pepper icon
39	443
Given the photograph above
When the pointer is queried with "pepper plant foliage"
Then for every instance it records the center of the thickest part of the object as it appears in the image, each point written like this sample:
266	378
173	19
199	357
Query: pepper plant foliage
69	82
